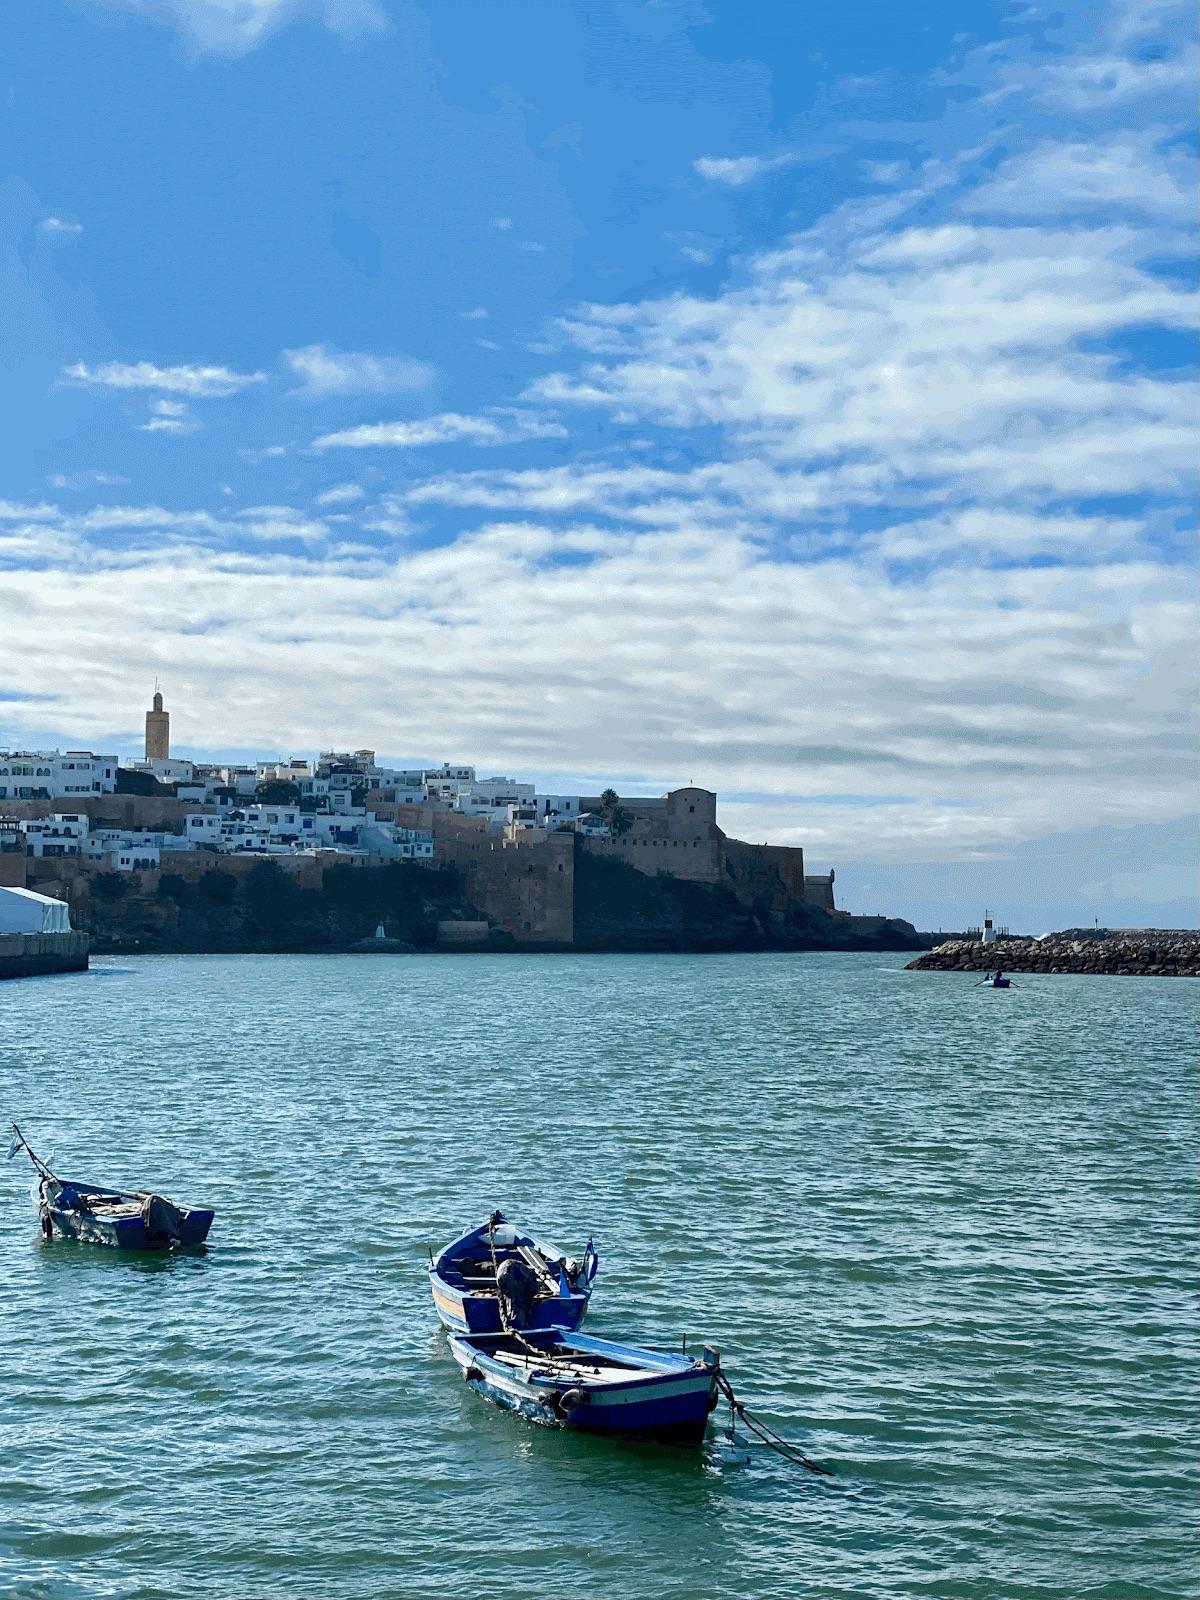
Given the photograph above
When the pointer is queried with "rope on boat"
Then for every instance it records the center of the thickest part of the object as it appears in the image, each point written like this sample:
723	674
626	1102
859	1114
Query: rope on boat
514	1333
767	1434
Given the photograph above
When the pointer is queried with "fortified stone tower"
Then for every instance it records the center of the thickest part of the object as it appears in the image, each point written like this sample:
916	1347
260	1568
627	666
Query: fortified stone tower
158	731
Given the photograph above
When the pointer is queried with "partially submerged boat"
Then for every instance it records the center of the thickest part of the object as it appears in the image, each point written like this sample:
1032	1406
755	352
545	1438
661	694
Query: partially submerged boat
495	1277
571	1380
96	1215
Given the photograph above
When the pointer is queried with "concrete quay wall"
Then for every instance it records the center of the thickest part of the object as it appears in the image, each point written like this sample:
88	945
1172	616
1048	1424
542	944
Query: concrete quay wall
31	955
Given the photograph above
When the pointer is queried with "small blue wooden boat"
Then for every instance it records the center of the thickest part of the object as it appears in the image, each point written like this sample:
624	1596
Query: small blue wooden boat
995	983
570	1380
96	1215
497	1277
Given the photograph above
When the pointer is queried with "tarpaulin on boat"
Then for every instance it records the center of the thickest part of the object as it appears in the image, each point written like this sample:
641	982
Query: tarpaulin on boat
23	911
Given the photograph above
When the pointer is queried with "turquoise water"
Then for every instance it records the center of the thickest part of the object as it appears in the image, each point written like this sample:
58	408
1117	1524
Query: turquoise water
942	1235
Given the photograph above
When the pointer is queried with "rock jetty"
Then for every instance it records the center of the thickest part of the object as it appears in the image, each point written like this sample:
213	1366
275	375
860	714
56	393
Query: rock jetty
1140	952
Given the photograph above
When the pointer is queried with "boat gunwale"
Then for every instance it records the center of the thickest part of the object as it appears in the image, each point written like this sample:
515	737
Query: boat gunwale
656	1366
478	1235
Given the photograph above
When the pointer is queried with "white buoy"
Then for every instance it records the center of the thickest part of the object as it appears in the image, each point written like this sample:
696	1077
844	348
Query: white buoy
731	1452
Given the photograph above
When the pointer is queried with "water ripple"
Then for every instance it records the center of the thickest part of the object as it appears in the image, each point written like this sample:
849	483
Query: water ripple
943	1238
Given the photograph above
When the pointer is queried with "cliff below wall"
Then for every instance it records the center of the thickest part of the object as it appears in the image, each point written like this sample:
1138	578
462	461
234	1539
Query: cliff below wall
619	908
1149	953
266	909
261	906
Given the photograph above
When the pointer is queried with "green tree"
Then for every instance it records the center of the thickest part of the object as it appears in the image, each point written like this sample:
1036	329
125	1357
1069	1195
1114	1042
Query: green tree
618	818
218	888
110	886
283	914
277	792
143	783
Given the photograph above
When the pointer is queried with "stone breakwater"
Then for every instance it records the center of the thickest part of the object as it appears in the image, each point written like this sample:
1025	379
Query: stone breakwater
1165	954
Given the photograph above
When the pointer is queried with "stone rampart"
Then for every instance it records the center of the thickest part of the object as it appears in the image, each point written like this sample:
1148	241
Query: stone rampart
677	834
649	850
151	813
12	869
525	885
818	891
454	933
192	865
767	876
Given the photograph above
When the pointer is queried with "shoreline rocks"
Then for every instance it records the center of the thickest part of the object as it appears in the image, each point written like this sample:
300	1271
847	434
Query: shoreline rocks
1149	953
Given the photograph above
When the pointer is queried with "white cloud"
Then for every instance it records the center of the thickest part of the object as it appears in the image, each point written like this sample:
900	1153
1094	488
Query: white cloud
1123	171
964	707
500	427
342	494
85	480
280	522
1106	81
15	511
232	27
199	383
503	223
851	561
957	353
326	370
56	225
170	416
736	171
479	314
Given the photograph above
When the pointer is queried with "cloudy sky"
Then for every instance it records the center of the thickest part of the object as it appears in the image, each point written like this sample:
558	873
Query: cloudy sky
792	399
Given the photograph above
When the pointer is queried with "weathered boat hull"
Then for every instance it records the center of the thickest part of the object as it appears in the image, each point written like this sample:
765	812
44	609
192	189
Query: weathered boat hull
463	1309
62	1217
672	1404
461	1312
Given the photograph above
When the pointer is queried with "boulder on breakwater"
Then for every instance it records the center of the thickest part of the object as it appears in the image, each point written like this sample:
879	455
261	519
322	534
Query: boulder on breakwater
1146	953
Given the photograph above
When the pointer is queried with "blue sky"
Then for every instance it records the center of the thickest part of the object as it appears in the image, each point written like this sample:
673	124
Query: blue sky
797	400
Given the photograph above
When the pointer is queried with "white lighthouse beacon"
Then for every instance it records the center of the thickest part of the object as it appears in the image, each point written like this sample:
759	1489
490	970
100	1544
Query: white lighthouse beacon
989	933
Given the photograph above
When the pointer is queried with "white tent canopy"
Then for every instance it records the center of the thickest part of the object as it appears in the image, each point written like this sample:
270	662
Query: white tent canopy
23	911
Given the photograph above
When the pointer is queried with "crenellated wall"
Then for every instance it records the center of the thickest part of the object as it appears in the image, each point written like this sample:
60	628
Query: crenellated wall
677	834
525	884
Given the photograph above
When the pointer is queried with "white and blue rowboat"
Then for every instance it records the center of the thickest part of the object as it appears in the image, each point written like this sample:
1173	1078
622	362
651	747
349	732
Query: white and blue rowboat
542	1287
570	1380
93	1214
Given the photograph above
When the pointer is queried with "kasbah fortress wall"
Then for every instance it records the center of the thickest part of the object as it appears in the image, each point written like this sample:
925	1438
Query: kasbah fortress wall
523	880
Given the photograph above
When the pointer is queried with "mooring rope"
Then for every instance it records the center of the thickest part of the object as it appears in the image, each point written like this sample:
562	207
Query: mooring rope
514	1333
767	1434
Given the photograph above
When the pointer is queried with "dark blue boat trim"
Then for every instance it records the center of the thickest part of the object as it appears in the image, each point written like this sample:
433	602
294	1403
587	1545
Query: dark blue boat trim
64	1213
464	1308
663	1397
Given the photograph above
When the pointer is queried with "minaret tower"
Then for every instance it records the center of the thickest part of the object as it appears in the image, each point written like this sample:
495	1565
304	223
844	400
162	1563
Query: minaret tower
158	731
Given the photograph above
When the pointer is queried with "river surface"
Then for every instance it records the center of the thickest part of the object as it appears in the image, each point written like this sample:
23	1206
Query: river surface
942	1235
